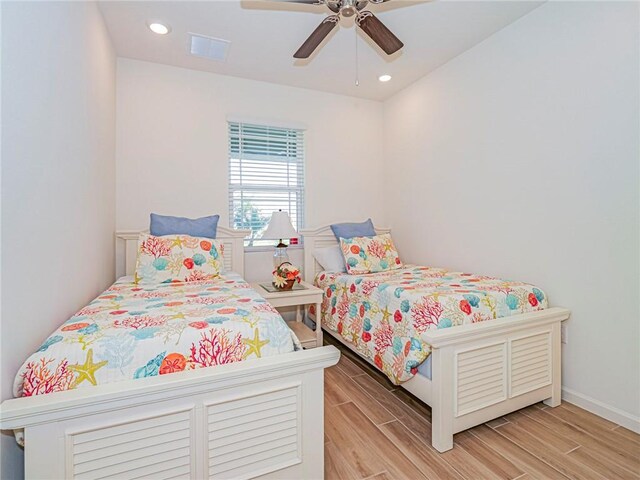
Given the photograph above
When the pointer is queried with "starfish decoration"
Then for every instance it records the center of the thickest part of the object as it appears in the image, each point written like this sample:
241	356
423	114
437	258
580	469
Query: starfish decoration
136	278
87	371
177	242
385	314
254	345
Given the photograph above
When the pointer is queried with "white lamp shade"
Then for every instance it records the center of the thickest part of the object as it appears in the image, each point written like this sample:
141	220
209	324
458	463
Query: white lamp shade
279	227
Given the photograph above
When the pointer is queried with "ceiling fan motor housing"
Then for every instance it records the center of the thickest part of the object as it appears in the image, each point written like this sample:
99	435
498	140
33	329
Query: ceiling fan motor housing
348	8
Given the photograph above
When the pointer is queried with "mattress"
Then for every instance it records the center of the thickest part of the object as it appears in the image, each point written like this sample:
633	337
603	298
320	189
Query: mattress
132	331
384	315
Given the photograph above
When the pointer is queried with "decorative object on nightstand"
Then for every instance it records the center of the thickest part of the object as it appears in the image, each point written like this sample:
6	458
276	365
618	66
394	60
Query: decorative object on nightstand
285	276
279	228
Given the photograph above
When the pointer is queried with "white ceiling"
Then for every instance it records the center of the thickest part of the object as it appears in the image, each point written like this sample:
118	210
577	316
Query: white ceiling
265	34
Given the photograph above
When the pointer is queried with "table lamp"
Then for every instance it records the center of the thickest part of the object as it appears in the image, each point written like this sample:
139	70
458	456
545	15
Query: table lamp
279	227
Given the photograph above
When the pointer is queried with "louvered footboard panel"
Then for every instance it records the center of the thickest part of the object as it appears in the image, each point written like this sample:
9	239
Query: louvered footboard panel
254	435
481	378
530	363
158	447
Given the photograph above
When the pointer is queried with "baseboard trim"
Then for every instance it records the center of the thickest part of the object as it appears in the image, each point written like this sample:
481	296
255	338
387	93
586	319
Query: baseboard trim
601	409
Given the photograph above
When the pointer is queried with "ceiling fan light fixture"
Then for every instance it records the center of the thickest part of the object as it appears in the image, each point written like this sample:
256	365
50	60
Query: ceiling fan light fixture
348	11
384	78
348	8
159	28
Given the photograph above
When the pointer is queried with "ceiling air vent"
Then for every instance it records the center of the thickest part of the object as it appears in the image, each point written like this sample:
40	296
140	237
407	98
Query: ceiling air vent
209	47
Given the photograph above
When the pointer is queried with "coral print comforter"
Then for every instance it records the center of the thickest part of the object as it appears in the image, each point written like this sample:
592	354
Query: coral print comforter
385	314
133	331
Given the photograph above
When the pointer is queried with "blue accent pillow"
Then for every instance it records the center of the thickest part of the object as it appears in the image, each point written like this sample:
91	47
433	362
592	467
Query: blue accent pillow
350	230
199	227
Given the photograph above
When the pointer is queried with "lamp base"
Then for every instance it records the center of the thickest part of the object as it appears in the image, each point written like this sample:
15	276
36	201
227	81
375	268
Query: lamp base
280	255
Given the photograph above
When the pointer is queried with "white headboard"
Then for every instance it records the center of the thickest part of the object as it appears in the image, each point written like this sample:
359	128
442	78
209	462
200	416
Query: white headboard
127	246
319	238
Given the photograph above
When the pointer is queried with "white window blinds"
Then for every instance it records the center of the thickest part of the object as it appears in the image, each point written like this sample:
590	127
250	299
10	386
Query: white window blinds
266	174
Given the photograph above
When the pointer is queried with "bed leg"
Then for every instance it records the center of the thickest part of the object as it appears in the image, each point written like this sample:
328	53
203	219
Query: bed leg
441	433
556	367
442	407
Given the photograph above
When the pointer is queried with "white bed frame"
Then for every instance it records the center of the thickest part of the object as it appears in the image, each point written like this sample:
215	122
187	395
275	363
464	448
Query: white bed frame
258	418
479	371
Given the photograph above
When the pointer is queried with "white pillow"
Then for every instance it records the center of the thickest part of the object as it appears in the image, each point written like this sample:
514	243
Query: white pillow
331	259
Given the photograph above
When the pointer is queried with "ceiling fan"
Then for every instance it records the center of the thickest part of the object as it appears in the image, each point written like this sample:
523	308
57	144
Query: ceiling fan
367	21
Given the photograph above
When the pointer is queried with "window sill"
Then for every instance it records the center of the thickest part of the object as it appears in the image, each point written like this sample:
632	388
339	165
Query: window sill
270	248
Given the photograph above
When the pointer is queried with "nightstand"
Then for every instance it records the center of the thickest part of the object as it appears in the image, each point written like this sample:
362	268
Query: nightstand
303	294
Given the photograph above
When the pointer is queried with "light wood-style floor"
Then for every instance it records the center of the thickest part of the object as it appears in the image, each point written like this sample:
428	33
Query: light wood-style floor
374	430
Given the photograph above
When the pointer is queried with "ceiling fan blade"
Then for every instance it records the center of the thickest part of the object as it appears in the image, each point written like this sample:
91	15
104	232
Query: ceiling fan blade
333	5
380	34
319	34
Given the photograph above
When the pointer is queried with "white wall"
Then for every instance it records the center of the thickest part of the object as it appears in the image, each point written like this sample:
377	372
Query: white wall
172	147
520	158
58	190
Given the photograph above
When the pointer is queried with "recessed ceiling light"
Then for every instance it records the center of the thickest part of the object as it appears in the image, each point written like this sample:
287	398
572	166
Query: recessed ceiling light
384	78
159	28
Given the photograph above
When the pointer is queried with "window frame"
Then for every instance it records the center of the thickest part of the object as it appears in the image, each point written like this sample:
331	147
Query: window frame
295	139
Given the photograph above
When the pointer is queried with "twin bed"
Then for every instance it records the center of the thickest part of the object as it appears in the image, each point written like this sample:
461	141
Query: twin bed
155	412
503	353
119	390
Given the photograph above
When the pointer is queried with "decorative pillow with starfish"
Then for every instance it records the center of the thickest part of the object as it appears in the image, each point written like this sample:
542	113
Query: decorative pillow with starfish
369	254
178	258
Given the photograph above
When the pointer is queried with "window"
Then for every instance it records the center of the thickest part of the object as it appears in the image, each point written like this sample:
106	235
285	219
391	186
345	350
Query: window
266	173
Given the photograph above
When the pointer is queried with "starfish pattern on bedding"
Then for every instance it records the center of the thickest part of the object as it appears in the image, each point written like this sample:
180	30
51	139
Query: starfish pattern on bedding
177	242
254	344
87	371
